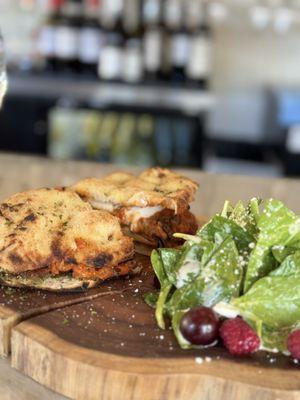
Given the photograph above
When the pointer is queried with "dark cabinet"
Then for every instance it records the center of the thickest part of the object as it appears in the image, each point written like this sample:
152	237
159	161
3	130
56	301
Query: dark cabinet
23	124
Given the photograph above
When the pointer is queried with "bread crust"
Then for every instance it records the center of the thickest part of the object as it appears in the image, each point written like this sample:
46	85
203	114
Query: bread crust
57	230
153	187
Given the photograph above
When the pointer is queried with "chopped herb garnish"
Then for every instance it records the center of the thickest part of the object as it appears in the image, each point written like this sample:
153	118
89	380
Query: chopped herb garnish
9	290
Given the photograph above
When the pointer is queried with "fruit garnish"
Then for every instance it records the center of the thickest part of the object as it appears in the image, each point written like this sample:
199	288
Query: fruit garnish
238	337
200	326
293	344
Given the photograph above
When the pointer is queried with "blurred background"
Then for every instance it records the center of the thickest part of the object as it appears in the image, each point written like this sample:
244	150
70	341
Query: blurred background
186	83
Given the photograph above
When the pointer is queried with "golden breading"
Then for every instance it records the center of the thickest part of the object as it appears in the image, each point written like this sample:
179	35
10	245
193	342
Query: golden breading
55	229
153	187
94	239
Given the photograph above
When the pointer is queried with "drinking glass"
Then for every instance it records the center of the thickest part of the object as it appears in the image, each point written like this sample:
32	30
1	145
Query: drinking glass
3	76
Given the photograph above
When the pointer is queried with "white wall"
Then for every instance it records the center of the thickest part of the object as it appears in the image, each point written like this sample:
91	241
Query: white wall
243	58
19	27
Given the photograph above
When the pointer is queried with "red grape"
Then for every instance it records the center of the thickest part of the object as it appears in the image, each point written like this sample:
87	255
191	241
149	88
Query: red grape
200	326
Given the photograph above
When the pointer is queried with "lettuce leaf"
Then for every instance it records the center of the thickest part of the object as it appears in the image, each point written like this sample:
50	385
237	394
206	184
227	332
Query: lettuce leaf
281	252
289	267
246	217
277	226
273	300
165	284
188	265
151	298
274	340
158	267
169	258
219	279
227	227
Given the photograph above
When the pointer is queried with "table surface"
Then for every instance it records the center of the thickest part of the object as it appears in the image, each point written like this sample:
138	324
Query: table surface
23	172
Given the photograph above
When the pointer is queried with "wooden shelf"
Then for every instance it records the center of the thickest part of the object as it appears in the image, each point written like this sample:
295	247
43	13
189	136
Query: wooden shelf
189	101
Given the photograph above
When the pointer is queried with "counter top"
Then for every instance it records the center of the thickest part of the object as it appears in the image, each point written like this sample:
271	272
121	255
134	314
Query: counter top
19	172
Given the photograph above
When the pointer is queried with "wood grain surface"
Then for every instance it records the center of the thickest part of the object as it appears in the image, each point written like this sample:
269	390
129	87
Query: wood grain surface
17	305
111	348
17	386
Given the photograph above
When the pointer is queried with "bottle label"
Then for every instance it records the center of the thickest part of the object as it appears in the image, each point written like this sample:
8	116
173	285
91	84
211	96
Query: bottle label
179	50
89	45
152	50
151	10
131	15
173	13
132	65
66	42
199	63
46	41
110	10
195	13
110	63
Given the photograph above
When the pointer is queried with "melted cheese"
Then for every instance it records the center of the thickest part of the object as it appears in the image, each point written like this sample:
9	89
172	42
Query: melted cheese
134	214
144	212
103	205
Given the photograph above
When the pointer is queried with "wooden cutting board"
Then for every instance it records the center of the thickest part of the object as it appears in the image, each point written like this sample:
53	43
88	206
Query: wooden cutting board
17	305
111	348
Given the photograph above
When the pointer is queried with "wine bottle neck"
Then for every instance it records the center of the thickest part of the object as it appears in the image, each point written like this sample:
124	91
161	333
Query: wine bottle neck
72	9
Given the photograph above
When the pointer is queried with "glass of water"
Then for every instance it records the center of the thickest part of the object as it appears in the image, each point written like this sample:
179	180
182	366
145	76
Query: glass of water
3	76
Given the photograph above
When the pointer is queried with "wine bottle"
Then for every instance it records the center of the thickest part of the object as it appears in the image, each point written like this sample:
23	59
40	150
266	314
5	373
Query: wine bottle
153	39
65	128
111	59
47	34
193	13
107	132
178	40
121	150
132	70
91	38
143	141
90	138
183	137
163	141
198	67
67	35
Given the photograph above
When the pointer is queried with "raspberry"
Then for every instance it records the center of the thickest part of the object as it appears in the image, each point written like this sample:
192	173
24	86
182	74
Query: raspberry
293	344
238	337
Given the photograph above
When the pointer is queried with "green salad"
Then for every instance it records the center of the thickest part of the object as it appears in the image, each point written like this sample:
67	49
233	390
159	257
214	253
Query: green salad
244	263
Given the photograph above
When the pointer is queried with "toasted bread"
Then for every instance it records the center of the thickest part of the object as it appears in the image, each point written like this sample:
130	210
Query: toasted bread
56	230
153	187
